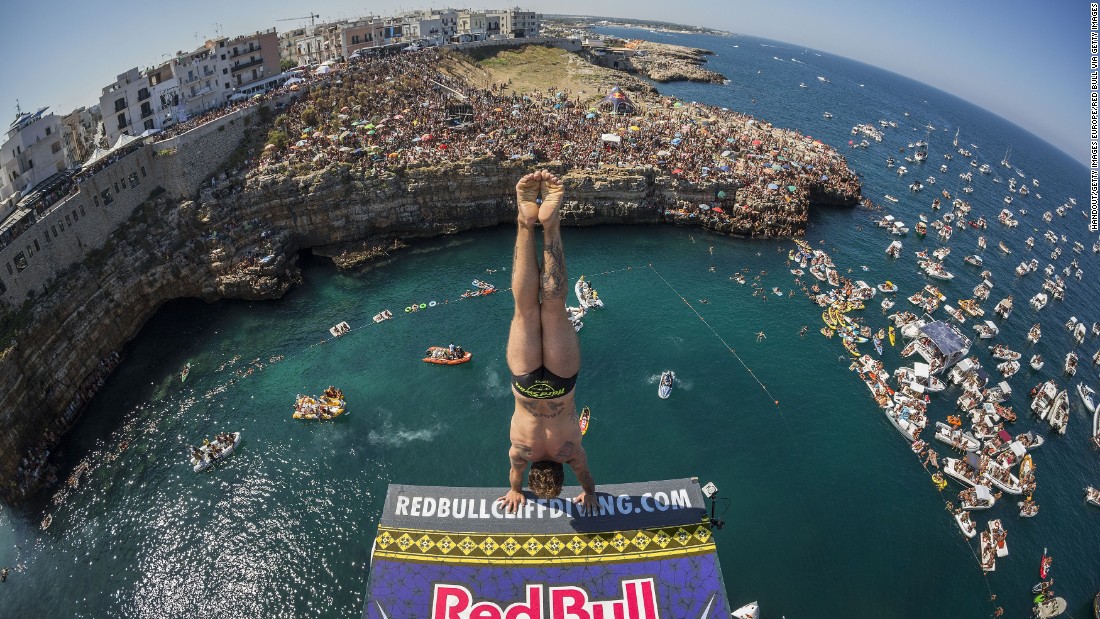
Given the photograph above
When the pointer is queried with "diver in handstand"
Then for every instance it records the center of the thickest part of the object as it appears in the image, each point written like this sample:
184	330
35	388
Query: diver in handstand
543	355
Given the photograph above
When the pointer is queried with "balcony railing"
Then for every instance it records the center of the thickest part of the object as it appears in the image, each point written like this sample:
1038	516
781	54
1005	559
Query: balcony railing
246	65
244	51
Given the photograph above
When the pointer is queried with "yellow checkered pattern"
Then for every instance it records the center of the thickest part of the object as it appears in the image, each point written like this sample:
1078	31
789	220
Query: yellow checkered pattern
510	549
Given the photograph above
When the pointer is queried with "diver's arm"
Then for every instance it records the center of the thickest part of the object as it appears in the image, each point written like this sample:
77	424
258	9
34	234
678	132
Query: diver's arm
514	497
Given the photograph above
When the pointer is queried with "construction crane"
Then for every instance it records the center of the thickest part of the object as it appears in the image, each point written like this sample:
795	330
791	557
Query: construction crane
312	17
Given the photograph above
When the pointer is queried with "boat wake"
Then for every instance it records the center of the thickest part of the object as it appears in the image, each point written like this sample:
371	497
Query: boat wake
681	383
399	438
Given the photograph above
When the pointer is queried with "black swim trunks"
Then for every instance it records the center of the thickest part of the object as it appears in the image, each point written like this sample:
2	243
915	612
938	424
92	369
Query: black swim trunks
542	384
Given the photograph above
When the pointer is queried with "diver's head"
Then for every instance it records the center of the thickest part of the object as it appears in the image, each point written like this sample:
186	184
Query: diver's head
545	479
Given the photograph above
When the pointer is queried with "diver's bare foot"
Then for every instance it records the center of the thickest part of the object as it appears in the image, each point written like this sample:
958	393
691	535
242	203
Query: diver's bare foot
552	194
527	195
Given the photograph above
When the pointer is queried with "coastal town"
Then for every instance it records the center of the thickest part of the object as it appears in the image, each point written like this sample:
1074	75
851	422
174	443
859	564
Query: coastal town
374	104
205	176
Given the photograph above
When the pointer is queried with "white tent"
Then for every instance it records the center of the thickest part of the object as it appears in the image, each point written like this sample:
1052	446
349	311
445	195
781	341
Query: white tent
611	138
1017	448
921	370
323	69
982	493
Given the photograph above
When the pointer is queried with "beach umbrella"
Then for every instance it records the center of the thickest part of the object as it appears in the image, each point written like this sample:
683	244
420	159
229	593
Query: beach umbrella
718	209
589	115
721	194
704	207
301	143
269	147
635	128
677	171
792	188
426	137
345	109
773	186
371	132
756	142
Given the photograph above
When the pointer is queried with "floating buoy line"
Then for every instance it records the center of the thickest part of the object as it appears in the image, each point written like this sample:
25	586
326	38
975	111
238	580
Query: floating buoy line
720	338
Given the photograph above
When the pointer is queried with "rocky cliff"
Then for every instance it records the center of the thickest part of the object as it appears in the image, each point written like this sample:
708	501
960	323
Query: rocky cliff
240	239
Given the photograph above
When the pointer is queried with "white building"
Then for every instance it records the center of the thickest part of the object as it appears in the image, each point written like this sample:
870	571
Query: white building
517	23
208	76
139	101
33	151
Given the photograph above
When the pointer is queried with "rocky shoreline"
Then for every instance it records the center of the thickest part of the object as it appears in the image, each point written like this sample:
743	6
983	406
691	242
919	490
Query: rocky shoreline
662	62
240	238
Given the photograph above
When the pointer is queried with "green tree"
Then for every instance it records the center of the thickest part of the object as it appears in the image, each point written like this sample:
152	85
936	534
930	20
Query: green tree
287	64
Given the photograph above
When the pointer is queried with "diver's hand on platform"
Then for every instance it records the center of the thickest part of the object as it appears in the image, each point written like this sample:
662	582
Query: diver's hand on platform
586	503
512	501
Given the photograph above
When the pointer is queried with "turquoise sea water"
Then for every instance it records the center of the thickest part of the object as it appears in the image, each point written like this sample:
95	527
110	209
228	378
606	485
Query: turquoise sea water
831	513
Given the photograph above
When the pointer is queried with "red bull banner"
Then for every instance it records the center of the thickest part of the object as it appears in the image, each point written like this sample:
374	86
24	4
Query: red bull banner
453	553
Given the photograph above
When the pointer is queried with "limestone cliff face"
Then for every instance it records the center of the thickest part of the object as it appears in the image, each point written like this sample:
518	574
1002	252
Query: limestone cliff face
240	240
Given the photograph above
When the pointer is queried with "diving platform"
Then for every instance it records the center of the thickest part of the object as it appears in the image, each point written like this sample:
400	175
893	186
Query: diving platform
454	553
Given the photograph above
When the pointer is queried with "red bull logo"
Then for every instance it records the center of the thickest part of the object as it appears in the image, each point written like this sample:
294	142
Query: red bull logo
638	601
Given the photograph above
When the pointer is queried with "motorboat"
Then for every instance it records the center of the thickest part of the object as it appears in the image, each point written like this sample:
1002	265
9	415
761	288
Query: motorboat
988	554
1028	508
664	389
976	498
987	330
204	456
1088	397
1070	366
748	611
1058	412
967	526
339	329
1037	362
1004	308
587	297
1050	607
1001	477
961	472
893	250
1042	397
1039	301
974	260
383	315
920	375
1004	353
999	537
1092	495
956	437
1008	368
1034	333
887	287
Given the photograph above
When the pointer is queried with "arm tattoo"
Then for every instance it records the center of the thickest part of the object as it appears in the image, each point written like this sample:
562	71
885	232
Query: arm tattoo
566	450
553	273
584	478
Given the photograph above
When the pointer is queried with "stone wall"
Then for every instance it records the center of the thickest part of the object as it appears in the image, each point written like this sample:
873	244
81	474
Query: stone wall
188	160
76	226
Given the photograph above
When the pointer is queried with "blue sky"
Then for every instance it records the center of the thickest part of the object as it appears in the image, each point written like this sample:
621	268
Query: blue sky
1026	61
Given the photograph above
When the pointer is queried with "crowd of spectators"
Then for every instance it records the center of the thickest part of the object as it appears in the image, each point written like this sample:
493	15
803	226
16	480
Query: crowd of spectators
406	110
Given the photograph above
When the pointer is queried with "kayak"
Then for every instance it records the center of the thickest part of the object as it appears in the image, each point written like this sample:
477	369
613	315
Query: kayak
586	416
891	332
1044	565
185	372
445	361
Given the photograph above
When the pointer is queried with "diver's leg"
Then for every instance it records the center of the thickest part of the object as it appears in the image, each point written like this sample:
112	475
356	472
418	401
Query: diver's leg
561	353
525	336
